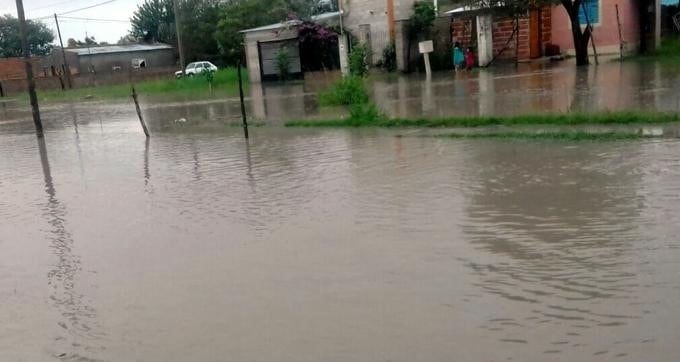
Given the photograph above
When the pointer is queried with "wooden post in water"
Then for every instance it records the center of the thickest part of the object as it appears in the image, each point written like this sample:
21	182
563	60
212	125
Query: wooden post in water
29	70
243	107
139	112
65	66
618	22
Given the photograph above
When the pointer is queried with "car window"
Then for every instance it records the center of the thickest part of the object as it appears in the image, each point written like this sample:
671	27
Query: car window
191	66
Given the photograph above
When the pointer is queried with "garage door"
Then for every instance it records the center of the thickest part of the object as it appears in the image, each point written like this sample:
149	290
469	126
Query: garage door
268	51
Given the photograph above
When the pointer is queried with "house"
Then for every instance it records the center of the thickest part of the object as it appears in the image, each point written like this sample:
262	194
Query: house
374	22
618	25
113	58
262	44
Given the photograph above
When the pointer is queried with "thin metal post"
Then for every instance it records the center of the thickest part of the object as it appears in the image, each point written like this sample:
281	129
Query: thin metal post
139	112
29	70
618	22
243	107
67	69
175	9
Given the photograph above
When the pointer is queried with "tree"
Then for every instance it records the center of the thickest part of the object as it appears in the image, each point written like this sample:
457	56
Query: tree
154	21
40	37
580	34
240	15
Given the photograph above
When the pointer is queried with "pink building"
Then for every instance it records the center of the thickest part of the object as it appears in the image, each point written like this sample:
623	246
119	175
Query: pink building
602	16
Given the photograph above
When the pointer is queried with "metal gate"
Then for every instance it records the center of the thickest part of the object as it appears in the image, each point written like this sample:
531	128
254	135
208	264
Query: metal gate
268	64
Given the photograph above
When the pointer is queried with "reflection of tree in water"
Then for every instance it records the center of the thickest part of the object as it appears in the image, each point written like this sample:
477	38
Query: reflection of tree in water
559	224
78	323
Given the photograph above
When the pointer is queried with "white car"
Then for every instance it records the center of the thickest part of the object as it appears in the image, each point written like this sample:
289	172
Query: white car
196	68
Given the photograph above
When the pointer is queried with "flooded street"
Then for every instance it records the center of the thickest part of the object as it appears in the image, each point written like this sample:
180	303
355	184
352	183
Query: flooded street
332	244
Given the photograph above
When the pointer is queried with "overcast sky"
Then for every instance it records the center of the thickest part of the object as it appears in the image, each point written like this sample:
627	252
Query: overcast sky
109	31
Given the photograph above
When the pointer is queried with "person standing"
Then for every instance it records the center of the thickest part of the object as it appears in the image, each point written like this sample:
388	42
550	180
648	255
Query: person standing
458	57
469	59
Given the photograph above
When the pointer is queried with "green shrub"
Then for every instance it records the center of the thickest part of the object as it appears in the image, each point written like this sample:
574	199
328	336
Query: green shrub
358	60
389	60
350	90
283	63
365	113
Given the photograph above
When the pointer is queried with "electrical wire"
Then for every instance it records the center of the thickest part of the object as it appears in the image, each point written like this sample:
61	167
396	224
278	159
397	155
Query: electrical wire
94	19
75	10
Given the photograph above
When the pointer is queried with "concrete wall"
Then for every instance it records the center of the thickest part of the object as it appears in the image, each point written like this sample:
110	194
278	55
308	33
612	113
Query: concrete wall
252	53
606	33
104	63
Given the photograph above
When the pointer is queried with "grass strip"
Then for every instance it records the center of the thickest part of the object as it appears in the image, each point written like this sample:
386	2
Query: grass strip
225	82
558	136
600	118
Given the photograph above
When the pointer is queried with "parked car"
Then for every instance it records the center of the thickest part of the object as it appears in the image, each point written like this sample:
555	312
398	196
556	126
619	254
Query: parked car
196	68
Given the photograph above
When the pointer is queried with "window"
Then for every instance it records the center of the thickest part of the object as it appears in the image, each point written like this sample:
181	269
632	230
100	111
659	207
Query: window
589	11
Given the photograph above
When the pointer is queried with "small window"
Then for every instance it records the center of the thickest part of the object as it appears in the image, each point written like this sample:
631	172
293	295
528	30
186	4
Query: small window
191	66
589	12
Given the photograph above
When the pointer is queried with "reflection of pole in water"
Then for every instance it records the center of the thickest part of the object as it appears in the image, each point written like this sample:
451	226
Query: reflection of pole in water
197	163
77	323
249	168
147	174
74	116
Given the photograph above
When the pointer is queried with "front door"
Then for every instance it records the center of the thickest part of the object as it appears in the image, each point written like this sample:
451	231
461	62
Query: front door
535	34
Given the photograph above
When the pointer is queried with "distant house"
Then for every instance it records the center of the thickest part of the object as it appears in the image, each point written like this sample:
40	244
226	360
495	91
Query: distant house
113	58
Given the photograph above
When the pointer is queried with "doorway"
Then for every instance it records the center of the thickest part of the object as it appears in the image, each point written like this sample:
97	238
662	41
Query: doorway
535	36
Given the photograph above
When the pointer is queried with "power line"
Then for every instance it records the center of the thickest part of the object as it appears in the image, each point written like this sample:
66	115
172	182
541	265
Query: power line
87	7
76	10
51	5
94	19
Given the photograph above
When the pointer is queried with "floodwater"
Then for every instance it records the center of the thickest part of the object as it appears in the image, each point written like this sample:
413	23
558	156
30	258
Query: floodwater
331	245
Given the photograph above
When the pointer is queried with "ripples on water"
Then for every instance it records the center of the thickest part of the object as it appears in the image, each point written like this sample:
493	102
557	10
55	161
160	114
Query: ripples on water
336	245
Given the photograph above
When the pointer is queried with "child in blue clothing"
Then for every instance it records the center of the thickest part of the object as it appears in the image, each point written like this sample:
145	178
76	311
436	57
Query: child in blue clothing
458	57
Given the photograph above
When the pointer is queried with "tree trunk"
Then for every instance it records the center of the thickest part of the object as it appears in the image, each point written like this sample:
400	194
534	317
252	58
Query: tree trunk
581	37
581	40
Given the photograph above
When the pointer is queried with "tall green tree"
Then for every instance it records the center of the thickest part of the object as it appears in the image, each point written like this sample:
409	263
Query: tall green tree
154	21
40	37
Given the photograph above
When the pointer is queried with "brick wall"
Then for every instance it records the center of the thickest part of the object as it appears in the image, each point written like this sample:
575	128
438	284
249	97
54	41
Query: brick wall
505	47
13	68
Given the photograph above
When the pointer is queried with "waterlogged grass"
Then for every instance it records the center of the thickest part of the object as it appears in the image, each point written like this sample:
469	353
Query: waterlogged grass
668	52
602	118
348	91
225	82
556	136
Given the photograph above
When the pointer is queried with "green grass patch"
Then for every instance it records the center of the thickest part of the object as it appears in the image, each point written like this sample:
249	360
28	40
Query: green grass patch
668	51
348	91
557	136
224	82
601	118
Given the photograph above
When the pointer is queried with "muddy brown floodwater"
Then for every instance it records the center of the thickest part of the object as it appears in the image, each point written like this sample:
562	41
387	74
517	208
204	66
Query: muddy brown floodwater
332	245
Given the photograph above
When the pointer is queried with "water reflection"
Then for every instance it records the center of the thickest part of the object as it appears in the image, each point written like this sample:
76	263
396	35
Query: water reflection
78	330
560	229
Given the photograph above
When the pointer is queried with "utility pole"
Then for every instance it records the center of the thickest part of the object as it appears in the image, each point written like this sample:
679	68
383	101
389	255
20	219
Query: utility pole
67	70
29	70
175	9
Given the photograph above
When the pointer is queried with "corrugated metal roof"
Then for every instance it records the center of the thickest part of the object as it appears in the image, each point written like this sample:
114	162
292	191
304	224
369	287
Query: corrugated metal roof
291	23
118	49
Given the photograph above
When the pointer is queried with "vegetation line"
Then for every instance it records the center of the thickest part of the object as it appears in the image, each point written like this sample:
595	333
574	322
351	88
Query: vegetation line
565	136
598	118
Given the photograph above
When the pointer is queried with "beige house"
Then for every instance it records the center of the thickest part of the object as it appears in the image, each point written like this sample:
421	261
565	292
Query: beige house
373	22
